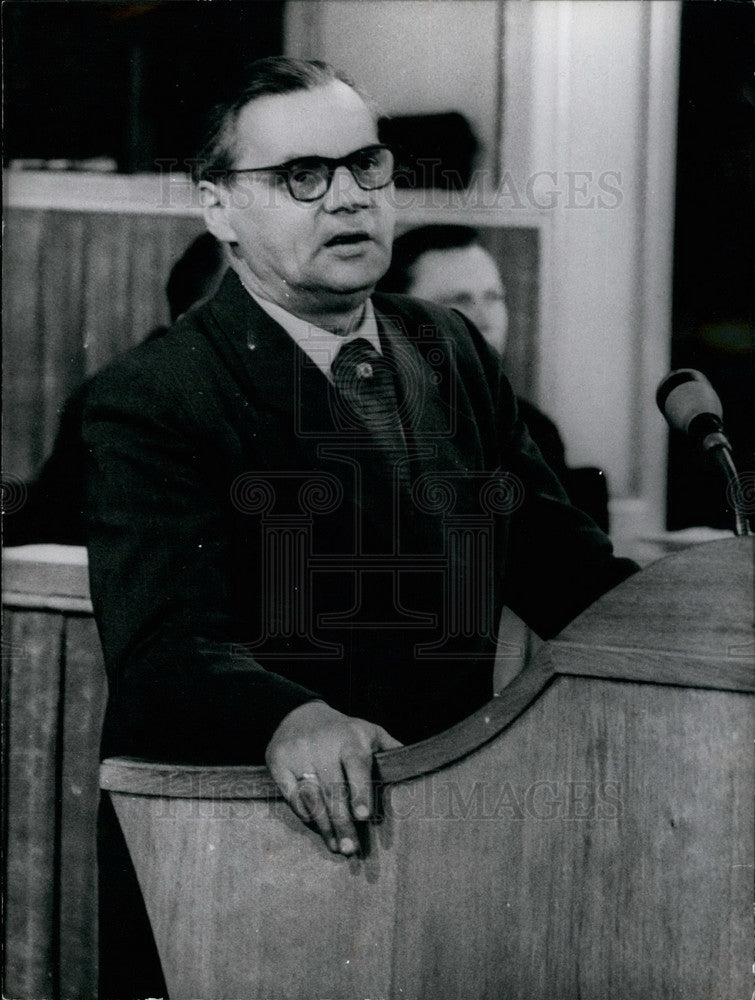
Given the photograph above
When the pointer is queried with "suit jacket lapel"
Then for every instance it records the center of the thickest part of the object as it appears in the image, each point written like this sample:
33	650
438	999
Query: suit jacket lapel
287	390
427	392
291	400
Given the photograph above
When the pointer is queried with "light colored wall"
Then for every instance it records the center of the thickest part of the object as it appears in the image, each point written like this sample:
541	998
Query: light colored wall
412	56
585	114
592	87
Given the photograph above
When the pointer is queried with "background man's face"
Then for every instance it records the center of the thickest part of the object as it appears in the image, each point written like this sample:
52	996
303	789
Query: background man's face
324	254
467	279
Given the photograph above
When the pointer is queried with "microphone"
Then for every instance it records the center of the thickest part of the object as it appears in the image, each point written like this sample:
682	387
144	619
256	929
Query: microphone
690	404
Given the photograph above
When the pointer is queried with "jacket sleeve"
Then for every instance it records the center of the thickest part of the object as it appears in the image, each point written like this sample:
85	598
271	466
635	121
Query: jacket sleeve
181	687
557	560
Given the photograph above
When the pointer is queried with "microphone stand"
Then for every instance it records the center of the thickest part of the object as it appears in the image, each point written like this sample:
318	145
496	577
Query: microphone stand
718	446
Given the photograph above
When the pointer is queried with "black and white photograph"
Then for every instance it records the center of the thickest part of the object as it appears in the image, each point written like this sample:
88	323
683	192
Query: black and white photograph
378	498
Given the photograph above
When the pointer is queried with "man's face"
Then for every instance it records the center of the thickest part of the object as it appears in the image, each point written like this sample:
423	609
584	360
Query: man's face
467	279
315	256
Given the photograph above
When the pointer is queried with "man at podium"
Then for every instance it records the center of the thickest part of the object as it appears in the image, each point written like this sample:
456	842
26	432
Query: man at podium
307	504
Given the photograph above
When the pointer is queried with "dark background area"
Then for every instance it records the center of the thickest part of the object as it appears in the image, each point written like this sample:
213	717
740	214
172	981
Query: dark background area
713	275
129	81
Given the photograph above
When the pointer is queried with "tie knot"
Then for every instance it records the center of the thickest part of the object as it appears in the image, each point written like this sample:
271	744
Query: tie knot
356	360
365	390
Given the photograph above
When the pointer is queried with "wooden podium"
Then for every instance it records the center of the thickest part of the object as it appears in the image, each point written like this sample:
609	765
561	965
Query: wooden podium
588	834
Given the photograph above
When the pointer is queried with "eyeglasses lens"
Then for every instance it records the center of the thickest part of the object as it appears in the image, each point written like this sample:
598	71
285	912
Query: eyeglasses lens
371	168
307	183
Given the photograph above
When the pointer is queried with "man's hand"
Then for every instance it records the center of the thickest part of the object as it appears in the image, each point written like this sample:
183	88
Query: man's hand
321	760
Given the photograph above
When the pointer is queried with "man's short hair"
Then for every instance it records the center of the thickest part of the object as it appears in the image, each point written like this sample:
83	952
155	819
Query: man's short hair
409	247
263	78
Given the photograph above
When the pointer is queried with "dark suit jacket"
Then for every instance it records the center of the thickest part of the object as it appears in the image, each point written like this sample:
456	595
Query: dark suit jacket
546	436
249	549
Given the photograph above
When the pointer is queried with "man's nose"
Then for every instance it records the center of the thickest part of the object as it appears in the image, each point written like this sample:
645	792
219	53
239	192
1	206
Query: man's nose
345	193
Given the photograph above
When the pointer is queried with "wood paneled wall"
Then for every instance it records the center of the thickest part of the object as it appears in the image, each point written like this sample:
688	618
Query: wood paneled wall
79	287
54	695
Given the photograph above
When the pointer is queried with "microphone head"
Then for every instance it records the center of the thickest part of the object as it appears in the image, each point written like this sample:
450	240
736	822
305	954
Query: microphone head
684	396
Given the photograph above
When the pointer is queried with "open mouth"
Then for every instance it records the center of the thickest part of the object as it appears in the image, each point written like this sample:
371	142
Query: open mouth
347	239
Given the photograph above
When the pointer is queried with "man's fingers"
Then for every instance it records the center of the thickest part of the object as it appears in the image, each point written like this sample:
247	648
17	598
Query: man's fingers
322	804
312	799
289	785
323	761
336	794
358	771
384	740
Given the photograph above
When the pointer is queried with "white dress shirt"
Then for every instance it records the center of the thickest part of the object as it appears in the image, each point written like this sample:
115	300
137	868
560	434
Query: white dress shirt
321	345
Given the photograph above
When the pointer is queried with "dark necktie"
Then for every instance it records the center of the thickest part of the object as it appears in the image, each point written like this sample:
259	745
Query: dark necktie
367	412
366	403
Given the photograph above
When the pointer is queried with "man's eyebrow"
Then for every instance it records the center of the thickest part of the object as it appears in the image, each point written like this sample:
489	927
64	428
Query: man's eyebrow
285	158
283	161
293	159
322	156
299	156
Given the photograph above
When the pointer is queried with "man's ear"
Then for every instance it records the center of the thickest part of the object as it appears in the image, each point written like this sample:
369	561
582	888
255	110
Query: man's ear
215	200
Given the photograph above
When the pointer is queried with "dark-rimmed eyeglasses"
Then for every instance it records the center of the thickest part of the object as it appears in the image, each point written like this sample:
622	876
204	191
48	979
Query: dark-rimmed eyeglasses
309	177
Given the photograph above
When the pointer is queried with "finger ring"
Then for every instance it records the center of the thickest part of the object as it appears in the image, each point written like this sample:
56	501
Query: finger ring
307	777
